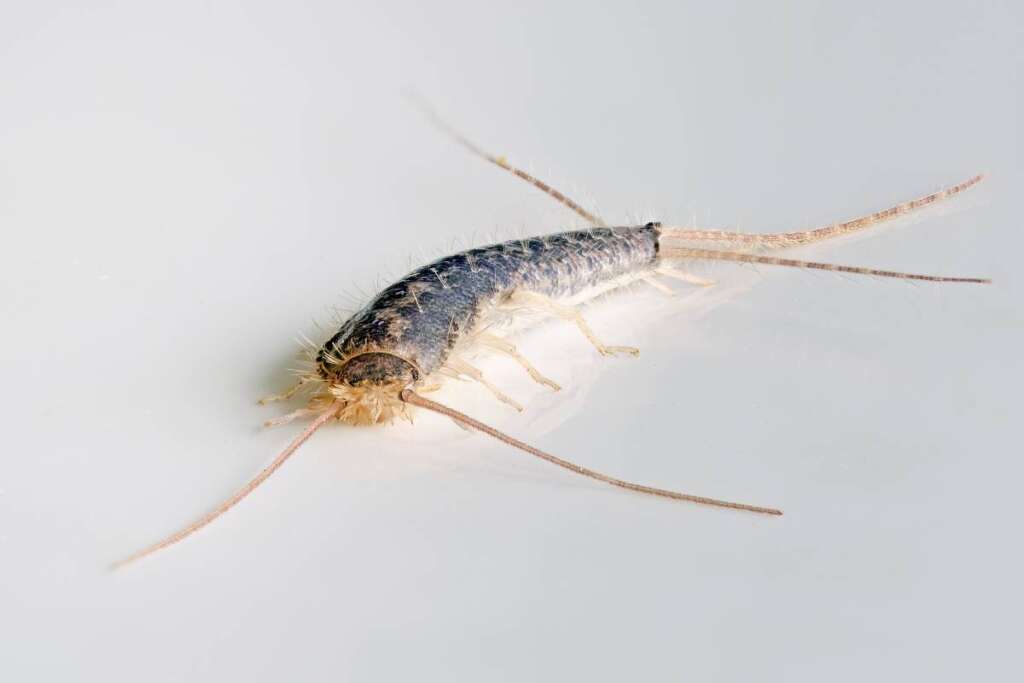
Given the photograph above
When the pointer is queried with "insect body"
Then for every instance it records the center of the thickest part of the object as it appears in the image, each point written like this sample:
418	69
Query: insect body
411	329
414	332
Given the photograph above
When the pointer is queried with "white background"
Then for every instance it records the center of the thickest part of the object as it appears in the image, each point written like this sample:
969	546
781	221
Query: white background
184	187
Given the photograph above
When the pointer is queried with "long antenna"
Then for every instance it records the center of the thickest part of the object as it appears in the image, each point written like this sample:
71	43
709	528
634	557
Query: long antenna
409	396
501	162
242	493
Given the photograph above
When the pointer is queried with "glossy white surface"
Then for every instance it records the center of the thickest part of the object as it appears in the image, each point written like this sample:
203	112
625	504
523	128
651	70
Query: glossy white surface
183	188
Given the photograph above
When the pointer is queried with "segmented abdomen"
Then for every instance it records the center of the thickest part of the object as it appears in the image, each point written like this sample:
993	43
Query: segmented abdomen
420	317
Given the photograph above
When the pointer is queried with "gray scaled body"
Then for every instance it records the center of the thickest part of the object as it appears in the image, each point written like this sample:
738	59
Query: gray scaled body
420	318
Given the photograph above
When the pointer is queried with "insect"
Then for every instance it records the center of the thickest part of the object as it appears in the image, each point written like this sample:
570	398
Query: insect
415	332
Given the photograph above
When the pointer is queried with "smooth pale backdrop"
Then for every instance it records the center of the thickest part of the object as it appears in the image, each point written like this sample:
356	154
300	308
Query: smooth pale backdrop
184	187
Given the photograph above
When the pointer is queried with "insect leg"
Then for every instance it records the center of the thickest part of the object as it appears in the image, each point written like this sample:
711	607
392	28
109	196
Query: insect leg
661	287
782	240
290	417
509	349
547	305
461	367
684	277
284	396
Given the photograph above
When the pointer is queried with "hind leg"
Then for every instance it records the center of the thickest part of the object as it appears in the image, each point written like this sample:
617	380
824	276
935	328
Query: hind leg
539	302
684	277
658	285
509	349
458	367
